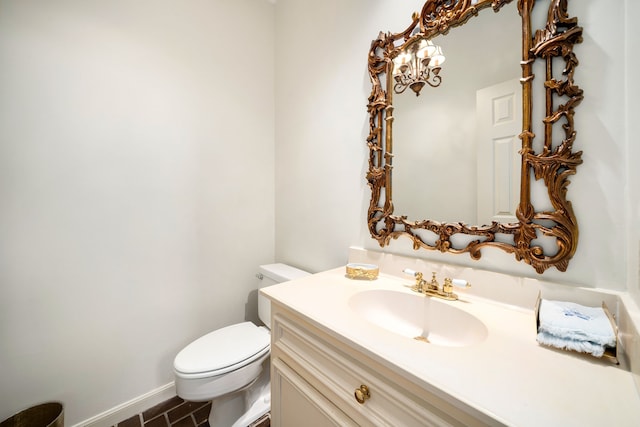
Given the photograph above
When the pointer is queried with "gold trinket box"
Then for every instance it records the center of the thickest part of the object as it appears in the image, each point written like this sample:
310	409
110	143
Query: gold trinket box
362	271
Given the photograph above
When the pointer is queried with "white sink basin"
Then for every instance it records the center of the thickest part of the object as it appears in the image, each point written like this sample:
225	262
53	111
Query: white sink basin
418	317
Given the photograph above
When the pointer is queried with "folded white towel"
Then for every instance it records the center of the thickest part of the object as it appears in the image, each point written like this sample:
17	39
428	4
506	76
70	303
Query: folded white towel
576	327
596	350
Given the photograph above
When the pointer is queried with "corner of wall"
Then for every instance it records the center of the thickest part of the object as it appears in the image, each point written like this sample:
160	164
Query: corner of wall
632	127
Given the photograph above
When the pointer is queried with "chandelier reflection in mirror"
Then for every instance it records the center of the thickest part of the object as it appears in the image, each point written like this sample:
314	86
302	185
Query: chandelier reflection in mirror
416	65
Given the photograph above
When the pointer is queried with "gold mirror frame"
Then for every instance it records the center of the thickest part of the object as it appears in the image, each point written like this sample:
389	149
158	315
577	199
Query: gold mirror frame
554	164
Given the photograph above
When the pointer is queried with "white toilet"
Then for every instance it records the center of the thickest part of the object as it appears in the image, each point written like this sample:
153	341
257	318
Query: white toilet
230	366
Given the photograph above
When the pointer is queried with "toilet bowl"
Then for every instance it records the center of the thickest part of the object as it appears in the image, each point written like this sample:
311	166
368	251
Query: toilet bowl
230	366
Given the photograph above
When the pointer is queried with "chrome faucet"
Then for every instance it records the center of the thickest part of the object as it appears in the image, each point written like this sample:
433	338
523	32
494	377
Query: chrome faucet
433	288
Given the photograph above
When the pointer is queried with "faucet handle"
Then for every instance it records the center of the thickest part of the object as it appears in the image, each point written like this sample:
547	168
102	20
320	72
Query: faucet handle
461	283
418	286
448	285
410	272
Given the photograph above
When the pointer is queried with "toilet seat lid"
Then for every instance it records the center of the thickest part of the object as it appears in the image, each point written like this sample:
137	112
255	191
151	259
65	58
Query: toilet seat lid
223	348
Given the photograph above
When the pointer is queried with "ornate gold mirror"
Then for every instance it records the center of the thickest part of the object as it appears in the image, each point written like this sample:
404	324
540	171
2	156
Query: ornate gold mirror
542	230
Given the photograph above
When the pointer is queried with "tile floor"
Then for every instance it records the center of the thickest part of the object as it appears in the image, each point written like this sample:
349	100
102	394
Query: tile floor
176	412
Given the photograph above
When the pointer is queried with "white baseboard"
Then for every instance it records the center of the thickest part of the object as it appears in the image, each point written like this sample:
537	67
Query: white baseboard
128	409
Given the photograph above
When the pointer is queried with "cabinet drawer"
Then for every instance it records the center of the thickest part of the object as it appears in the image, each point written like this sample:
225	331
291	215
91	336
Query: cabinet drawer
336	371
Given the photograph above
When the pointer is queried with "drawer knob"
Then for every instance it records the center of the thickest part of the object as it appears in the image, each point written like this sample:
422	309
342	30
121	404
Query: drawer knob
362	393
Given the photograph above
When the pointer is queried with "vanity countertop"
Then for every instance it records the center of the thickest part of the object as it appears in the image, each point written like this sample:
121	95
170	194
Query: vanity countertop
507	376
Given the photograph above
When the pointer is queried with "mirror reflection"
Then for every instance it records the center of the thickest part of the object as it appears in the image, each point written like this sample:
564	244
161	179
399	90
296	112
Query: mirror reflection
543	234
442	137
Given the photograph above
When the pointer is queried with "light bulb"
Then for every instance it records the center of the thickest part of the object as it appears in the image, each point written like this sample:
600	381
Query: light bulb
438	58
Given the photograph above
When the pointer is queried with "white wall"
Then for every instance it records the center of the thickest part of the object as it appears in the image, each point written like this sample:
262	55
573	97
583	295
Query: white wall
322	89
632	40
136	189
321	51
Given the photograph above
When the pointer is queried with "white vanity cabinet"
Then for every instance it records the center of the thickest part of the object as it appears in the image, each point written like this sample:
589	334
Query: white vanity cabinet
314	378
325	345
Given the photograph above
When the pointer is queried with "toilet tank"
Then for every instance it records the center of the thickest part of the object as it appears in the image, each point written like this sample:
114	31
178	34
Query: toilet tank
270	274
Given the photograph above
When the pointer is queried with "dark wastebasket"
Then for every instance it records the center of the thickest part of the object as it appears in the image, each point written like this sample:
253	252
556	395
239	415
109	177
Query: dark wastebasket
49	414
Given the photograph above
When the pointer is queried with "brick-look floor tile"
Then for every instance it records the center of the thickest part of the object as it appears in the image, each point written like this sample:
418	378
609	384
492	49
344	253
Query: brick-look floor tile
264	421
177	412
183	410
161	408
201	415
159	421
131	422
184	422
